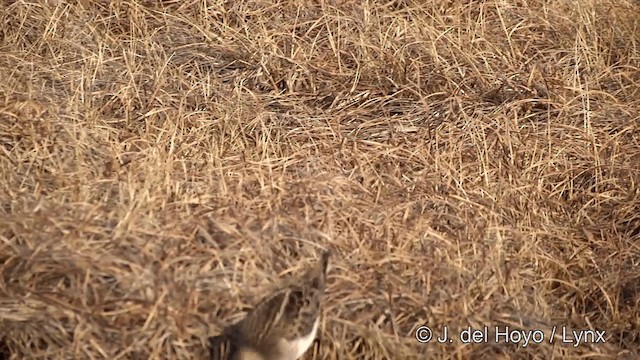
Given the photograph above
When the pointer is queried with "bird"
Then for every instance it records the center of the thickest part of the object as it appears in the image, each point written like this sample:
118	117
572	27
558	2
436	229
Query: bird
284	324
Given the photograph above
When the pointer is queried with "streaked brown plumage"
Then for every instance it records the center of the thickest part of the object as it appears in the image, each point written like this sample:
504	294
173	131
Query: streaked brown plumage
284	324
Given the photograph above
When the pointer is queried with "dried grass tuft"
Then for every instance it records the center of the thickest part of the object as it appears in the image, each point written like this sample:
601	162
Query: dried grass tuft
473	164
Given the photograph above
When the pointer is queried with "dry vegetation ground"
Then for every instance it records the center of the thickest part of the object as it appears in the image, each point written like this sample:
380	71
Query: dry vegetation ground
471	162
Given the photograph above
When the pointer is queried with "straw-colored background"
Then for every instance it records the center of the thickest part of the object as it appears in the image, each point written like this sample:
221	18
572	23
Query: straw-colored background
472	163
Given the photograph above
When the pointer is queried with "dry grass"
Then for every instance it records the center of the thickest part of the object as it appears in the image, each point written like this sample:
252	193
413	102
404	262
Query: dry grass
472	164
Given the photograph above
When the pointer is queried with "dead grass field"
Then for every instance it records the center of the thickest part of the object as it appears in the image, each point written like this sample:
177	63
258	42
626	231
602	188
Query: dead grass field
472	163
